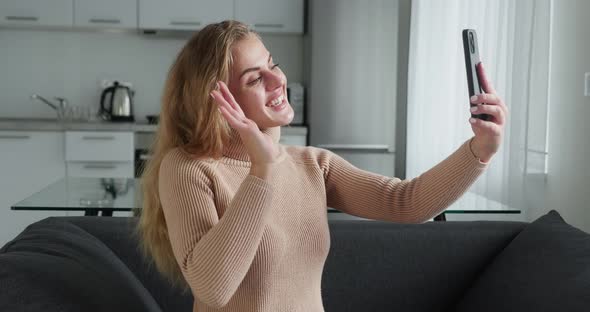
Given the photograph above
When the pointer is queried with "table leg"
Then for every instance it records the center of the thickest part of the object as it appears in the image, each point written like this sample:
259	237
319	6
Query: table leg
91	212
440	217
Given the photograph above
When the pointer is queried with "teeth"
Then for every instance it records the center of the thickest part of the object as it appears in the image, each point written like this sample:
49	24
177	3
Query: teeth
277	101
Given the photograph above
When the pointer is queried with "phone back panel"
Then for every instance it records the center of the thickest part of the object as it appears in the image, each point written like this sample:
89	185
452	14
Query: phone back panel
471	52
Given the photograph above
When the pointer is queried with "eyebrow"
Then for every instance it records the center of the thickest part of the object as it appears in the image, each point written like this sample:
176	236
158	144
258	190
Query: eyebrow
254	68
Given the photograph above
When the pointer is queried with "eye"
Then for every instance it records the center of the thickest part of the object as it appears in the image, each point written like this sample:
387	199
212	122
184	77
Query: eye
255	81
259	79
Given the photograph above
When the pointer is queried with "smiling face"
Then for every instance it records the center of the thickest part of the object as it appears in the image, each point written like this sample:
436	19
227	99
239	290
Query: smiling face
258	84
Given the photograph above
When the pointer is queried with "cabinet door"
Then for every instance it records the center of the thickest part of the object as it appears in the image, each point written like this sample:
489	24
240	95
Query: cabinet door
29	161
106	13
99	146
271	16
356	107
183	14
37	12
95	169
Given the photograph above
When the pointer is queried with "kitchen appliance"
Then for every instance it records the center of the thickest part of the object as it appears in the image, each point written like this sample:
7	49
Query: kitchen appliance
296	97
153	119
116	103
353	81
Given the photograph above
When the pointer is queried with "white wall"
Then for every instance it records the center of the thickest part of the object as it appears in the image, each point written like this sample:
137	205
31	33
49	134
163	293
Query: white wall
71	64
568	188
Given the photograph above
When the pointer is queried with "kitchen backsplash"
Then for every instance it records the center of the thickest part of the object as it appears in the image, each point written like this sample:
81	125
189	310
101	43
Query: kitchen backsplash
71	64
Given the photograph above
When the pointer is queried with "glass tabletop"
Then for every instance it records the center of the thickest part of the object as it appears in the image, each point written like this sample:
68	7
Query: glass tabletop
85	194
106	195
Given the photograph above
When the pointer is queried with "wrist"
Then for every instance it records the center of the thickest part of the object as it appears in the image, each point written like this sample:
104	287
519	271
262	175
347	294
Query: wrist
261	171
476	151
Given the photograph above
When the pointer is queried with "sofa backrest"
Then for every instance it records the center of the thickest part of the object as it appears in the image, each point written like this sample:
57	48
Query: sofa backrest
118	234
381	266
55	265
372	266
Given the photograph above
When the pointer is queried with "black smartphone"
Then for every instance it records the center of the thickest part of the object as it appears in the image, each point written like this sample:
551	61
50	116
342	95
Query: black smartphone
471	52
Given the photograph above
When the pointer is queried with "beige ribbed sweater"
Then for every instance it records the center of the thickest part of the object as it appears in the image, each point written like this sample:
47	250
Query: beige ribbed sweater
247	244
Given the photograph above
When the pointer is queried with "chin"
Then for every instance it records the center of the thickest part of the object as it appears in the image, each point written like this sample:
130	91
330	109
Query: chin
289	117
283	120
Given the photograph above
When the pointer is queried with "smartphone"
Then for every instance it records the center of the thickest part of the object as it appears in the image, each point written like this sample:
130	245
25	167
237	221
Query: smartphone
471	52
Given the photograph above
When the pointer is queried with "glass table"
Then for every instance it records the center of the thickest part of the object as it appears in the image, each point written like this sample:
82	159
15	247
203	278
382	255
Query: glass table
91	195
106	195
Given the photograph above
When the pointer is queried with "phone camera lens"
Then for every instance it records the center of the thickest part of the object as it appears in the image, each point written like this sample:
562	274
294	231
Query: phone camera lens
471	43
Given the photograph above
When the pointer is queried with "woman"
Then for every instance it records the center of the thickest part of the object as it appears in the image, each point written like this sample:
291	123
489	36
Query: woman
240	219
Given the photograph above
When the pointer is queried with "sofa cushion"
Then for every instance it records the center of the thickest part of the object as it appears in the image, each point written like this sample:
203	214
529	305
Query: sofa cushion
54	265
545	268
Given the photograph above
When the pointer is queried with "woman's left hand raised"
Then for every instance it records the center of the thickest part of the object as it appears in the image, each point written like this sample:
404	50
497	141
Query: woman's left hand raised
488	134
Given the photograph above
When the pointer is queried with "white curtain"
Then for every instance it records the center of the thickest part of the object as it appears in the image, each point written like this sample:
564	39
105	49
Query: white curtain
514	40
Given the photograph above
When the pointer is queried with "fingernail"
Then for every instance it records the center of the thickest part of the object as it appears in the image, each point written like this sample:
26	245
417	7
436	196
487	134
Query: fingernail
474	108
473	98
472	120
217	87
211	94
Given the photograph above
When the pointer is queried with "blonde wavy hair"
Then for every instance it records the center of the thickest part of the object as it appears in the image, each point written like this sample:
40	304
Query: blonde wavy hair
188	120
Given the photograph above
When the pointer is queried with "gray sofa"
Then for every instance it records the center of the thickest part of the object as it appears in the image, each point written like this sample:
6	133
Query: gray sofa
92	264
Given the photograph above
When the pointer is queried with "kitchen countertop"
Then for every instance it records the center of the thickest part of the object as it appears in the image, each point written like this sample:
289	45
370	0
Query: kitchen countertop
48	124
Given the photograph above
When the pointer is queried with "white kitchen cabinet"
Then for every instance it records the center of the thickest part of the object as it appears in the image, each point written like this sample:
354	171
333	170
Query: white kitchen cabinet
99	146
37	13
183	14
99	154
100	169
272	16
105	13
29	161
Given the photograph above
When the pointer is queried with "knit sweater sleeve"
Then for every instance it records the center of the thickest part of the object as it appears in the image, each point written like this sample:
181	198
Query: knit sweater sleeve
214	253
373	196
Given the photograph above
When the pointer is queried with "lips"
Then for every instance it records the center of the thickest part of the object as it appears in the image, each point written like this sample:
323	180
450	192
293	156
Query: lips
276	101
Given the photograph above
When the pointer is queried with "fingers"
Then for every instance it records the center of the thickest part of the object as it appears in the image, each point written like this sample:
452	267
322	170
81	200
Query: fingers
485	83
230	114
487	127
490	99
229	97
229	117
494	110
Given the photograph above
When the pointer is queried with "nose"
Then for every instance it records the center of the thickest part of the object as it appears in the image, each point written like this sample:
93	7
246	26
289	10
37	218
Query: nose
274	79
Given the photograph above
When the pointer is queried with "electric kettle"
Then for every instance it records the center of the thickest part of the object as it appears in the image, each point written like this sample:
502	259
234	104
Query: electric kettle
116	103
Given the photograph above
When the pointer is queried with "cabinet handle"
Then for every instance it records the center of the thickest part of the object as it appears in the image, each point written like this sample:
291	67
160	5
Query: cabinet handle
536	151
96	166
21	18
358	147
185	23
105	20
269	25
104	137
15	136
145	157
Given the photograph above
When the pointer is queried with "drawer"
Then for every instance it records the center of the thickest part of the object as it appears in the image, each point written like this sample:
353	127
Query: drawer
100	169
99	146
37	13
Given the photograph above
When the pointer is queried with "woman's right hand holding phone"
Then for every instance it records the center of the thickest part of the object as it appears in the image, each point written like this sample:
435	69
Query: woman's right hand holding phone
488	133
